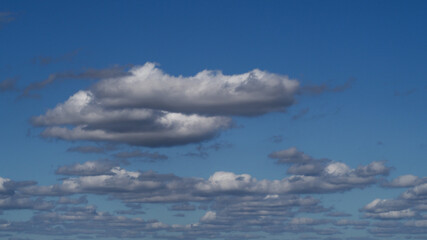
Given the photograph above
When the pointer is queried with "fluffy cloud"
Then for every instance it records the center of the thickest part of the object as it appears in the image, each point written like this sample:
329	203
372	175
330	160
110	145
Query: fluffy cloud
147	107
233	203
208	92
105	177
404	214
133	126
404	181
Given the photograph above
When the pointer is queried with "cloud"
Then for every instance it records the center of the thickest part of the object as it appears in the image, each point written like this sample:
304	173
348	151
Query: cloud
276	138
326	173
143	127
300	114
404	93
91	149
80	200
105	177
208	92
114	71
183	207
291	155
202	151
85	221
46	60
319	89
8	84
90	168
147	107
149	156
234	203
404	214
6	17
404	181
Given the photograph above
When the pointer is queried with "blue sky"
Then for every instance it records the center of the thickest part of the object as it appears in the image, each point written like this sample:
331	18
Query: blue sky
213	120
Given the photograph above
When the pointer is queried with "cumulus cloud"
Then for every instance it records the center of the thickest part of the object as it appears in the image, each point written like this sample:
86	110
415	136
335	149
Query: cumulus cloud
104	177
404	181
148	107
89	168
405	214
208	92
85	221
325	173
133	126
233	203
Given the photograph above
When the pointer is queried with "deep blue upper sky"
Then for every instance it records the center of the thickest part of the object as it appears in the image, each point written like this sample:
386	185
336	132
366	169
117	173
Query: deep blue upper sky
352	126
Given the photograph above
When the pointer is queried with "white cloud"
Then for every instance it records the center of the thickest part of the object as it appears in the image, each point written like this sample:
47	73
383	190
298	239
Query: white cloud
148	107
208	92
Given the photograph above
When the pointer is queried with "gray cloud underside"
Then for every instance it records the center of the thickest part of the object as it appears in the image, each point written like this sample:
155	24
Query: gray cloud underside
147	107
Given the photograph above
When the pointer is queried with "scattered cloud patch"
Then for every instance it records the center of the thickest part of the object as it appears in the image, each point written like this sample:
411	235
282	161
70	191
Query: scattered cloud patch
114	71
6	17
300	113
146	155
46	60
8	84
323	88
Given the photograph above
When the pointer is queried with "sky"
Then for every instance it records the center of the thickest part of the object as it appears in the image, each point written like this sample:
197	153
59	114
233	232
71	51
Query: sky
234	120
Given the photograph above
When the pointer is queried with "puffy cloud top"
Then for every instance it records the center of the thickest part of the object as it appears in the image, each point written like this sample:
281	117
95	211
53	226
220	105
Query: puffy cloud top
208	92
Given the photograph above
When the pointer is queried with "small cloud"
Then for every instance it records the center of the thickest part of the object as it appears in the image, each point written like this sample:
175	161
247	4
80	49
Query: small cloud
46	60
92	149
8	84
203	151
6	17
300	114
89	168
147	156
404	93
115	71
182	207
276	138
323	88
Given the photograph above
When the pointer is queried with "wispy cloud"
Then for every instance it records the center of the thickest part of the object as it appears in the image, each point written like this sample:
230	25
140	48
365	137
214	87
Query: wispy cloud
324	88
6	17
46	60
115	71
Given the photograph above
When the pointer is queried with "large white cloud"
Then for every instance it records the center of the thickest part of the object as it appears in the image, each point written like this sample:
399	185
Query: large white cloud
151	108
208	92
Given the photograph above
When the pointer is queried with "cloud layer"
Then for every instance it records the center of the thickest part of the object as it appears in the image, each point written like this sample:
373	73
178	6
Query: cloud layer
235	205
